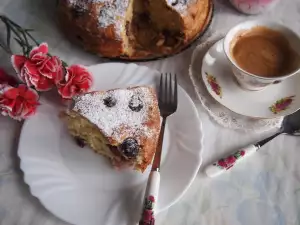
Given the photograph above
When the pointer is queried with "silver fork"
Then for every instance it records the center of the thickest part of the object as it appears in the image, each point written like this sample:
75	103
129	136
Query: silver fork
167	102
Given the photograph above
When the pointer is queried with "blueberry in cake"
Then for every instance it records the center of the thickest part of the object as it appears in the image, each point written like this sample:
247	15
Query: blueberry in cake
121	124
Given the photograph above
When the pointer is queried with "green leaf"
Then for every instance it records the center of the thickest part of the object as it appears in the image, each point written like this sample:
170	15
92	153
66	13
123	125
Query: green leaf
22	34
64	63
21	45
8	34
5	48
32	38
13	23
15	32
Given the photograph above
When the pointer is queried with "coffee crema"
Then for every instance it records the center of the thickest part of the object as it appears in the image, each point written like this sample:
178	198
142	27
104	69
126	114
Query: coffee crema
264	52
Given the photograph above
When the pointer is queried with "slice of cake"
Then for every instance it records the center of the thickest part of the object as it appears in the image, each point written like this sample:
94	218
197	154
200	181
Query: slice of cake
121	124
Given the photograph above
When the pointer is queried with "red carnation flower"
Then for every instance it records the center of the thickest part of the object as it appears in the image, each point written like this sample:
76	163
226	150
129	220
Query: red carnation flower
242	153
18	102
39	70
77	81
7	79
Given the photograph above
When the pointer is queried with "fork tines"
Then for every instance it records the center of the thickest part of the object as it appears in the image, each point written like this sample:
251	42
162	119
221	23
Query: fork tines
168	99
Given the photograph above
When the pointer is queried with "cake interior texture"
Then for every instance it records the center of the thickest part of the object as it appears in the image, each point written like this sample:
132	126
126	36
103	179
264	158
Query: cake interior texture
134	28
82	128
121	124
154	31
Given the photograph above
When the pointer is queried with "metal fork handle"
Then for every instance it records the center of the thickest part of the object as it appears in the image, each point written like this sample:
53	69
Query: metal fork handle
152	190
156	161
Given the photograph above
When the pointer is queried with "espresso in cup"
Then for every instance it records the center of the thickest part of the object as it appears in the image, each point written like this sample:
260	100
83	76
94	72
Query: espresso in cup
264	52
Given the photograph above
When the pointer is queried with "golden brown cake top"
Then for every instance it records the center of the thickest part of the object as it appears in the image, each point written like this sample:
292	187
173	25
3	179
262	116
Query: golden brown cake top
108	12
121	113
112	12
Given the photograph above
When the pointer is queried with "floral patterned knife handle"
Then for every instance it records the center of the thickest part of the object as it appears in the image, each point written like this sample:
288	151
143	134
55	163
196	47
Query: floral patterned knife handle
229	161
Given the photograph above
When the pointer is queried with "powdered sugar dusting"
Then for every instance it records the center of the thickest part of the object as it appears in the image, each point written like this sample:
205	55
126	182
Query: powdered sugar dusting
111	12
180	5
119	119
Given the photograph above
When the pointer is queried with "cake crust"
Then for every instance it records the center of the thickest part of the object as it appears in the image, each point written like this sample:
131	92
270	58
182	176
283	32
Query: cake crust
117	115
104	27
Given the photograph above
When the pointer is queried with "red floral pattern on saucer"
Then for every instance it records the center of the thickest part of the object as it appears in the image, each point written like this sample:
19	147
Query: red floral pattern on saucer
214	84
281	104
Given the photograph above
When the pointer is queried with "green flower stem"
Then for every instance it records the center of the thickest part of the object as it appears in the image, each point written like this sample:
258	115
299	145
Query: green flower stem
22	36
24	32
6	49
64	63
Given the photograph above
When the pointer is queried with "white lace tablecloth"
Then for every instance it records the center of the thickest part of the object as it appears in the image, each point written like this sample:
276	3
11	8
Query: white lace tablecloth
262	190
218	112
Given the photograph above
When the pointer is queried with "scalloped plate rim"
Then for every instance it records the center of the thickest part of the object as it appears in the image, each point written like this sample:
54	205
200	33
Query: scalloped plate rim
192	176
286	112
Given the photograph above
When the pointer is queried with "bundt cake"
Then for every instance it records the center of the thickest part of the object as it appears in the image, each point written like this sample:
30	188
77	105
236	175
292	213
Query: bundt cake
134	29
121	124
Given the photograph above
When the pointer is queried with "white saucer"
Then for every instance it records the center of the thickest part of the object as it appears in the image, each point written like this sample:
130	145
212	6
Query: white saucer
80	186
276	100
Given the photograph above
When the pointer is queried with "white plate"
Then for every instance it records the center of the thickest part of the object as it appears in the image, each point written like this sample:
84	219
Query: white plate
248	103
80	186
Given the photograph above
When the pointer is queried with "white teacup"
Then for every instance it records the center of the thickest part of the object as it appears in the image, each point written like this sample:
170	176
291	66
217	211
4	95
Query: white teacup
251	81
